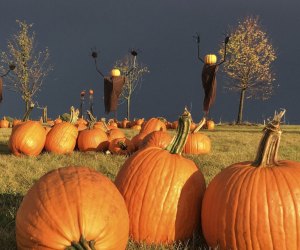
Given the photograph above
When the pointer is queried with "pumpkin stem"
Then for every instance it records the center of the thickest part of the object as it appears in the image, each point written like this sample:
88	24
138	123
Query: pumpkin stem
74	115
199	126
92	119
26	115
83	244
177	144
269	143
122	145
105	125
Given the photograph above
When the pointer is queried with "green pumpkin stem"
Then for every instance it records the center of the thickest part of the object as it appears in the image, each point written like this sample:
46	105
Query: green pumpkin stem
269	143
27	114
74	115
83	244
92	119
199	126
177	144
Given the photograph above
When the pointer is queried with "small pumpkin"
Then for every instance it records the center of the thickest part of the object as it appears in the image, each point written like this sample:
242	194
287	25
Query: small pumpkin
4	123
210	59
72	208
92	139
210	125
115	72
163	191
197	143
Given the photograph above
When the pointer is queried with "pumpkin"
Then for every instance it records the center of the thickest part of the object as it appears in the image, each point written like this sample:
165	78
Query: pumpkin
61	139
137	140
124	123
16	122
92	139
197	143
91	92
159	139
115	72
4	123
121	146
210	59
139	121
210	125
136	127
27	138
72	208
255	204
154	124
163	191
115	133
58	120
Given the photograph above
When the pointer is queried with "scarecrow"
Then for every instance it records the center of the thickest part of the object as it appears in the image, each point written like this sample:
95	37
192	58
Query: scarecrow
11	67
209	81
113	84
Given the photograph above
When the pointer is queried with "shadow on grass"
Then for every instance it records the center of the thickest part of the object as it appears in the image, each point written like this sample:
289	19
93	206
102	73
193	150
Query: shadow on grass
9	204
4	150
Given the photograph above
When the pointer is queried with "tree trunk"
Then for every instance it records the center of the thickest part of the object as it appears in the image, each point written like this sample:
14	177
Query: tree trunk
241	106
128	109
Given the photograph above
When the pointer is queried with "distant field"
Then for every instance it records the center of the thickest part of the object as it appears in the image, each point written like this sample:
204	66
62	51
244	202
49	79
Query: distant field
230	144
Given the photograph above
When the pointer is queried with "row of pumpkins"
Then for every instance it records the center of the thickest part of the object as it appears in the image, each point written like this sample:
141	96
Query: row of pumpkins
159	196
30	137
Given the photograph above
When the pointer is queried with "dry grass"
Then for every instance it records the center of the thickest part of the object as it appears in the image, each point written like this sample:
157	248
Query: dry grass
230	144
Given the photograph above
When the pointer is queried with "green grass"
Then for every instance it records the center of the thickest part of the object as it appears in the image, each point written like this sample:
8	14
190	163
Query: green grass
230	144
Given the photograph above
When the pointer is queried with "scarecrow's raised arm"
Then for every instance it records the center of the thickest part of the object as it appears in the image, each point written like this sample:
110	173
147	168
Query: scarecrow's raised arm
134	54
225	45
197	37
95	56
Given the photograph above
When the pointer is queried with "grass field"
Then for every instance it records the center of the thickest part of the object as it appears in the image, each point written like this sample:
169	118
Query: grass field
230	144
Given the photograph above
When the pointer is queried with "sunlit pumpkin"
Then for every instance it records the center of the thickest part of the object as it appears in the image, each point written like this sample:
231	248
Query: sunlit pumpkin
61	139
163	191
72	208
27	138
255	204
159	139
115	72
4	123
210	59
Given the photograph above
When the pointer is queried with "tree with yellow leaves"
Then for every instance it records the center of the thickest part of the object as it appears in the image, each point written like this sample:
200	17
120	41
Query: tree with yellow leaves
31	65
248	65
134	71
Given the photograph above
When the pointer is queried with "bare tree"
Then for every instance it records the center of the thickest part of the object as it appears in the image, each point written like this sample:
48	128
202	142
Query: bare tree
134	71
31	65
248	65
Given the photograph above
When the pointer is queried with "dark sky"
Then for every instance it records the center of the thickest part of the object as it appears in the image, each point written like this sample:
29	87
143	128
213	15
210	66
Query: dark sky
163	31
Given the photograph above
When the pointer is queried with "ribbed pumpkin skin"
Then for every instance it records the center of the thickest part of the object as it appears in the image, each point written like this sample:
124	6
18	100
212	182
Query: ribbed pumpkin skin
115	133
154	124
27	138
159	139
197	143
245	207
61	139
210	59
163	194
92	140
67	203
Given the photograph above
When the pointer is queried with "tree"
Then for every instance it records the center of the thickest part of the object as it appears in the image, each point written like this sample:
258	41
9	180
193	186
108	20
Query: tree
31	65
134	72
248	65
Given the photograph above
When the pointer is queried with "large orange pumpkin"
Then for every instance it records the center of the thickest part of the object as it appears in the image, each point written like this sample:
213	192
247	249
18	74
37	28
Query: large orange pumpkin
163	191
72	206
255	205
61	139
27	138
